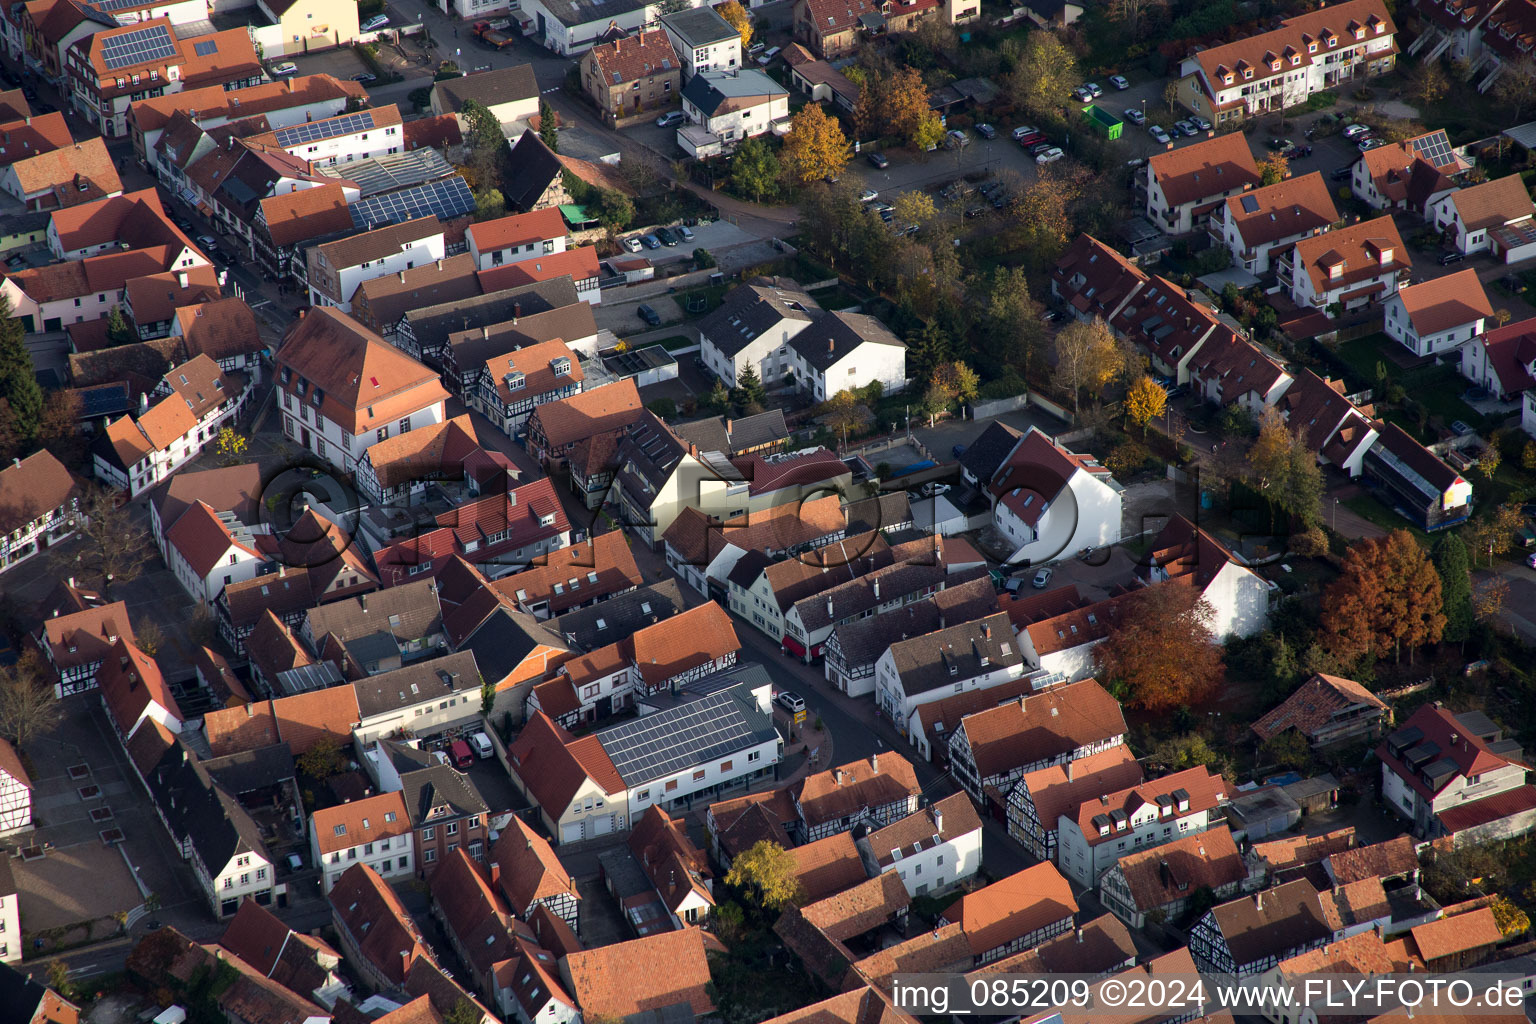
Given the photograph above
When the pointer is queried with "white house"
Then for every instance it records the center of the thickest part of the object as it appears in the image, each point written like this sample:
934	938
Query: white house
1478	216
336	269
1413	174
1092	837
521	236
375	831
1439	315
934	850
1239	598
15	805
753	327
343	139
1351	267
1281	68
1256	223
10	919
1050	502
39	507
967	656
1503	361
839	351
703	40
426	697
731	106
341	388
1187	183
208	550
1060	642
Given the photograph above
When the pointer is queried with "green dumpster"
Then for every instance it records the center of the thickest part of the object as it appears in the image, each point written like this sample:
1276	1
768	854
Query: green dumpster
1103	121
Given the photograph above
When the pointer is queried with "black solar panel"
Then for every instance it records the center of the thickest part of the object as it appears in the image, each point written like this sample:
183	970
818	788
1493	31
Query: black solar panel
669	741
109	398
447	199
1250	204
1436	148
140	47
115	5
330	128
206	47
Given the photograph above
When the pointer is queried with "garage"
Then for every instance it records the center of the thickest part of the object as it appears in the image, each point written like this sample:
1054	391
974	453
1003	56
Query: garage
571	832
602	824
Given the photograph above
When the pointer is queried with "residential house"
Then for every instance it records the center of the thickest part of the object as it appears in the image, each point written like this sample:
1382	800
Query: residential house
810	622
933	850
1163	880
725	107
135	693
581	265
431	696
1414	174
994	748
342	388
1041	798
1331	423
510	94
538	173
1327	710
664	972
380	304
1421	484
207	550
1281	68
343	139
1092	836
378	631
233	489
819	80
68	176
1255	224
761	434
571	781
31	1002
1049	501
819	933
1494	215
936	720
1248	936
678	871
967	656
847	351
632	74
516	238
77	644
1185	555
25	135
305	26
337	269
300	963
1347	268
376	932
375	831
762	591
1439	315
394	474
589	629
858	793
555	428
822	869
753	327
39	507
15	807
1456	775
702	40
285	226
447	812
573	577
1095	281
1185	185
832	28
1014	914
300	720
1503	361
1059	630
703	548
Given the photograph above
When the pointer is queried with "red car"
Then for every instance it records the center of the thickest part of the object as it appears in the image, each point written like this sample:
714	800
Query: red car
1032	139
460	754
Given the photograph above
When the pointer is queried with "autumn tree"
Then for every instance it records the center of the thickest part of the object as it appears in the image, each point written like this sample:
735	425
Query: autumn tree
738	18
1488	461
1162	651
755	169
1516	83
113	546
1171	96
1494	531
1044	74
766	876
1040	220
1274	169
1387	597
18	379
1014	332
1285	468
815	146
845	412
1488	598
1450	558
957	380
913	208
1145	401
58	429
1087	357
231	445
323	760
905	109
1510	919
1427	83
1528	456
486	141
28	708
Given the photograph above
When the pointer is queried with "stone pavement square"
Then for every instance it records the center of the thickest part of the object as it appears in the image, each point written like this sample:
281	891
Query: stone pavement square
73	884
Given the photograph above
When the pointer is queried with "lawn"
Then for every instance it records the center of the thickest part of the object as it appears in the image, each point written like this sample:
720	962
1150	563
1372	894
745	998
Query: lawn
711	295
1437	388
1373	511
675	342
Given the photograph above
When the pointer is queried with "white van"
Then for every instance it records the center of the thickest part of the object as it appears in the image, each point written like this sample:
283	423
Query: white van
481	744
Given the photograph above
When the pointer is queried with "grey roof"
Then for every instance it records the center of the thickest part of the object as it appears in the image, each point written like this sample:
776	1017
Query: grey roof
648	454
501	85
1273	923
751	310
711	90
303	678
868	592
407	612
988	452
387	173
20	996
422	681
196	807
471	348
372	648
250	770
863	642
574	13
948	655
699	26
747	569
623	874
440	788
889	511
609	621
698	732
751	674
432	325
534	166
504	639
835	335
734	436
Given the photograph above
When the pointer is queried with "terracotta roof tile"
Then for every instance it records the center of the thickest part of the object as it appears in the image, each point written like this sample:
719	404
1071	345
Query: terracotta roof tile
1442	303
1062	789
943	821
631	58
580	263
1205	169
385	933
304	718
1205	859
1256	52
686	640
848	789
1047	724
215	101
382	816
1290	207
530	871
306	213
518	229
1493	203
1358	248
1013	907
1202	788
31	136
1316	703
650	973
32	488
604	409
1461	933
828	866
554	766
78	174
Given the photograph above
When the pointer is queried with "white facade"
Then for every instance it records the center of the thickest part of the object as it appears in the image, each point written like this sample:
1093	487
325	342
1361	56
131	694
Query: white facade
1401	330
411	254
1469	238
937	867
27	539
1304	292
506	255
744	122
1239	600
10	928
901	706
1528	412
160	463
676	789
769	353
335	443
1085	863
391	856
1086	513
344	149
15	811
246	874
235	565
281	117
867	363
723	54
1068	663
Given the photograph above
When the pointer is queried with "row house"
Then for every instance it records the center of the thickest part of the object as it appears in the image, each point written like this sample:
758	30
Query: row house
761	591
76	644
469	351
39	507
1412	174
336	269
447	812
967	656
1259	222
424	332
1162	882
1281	68
1347	268
1340	431
152	301
1451	28
581	265
574	577
375	831
1422	486
1494	215
810	621
1041	798
68	176
286	225
1249	936
933	850
15	816
429	697
134	220
531	877
555	428
1185	185
1016	913
57	296
395	473
833	30
702	549
379	304
1092	837
195	400
305	964
877	793
341	388
990	750
506	388
677	870
519	237
1441	315
342	139
1503	361
377	934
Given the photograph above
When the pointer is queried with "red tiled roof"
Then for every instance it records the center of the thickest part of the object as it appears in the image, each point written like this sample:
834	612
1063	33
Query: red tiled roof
1461	933
1024	902
607	408
649	973
1173	871
1205	790
553	766
1206	169
828	866
1315	703
631	58
1357	250
1290	207
1511	352
1063	789
1470	755
381	816
306	213
31	136
530	871
1264	54
1441	303
1041	725
202	539
386	935
580	263
1489	808
518	229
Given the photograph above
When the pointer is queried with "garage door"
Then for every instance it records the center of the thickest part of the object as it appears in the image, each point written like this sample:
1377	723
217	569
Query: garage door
602	824
570	833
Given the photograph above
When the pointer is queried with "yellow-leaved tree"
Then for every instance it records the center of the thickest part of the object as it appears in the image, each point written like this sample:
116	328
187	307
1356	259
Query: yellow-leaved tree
739	20
1145	400
815	146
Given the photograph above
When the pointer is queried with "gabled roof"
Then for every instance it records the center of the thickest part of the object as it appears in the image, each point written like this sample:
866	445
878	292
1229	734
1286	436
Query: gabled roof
824	867
749	310
1432	747
943	821
698	538
1041	725
582	572
1391	858
33	487
1459	933
29	136
631	58
386	299
579	264
1511	352
958	652
1493	203
1442	303
130	681
306	213
1199	787
379	244
78	174
530	871
1357	250
1317	702
473	912
1263	55
1175	870
554	766
601	410
851	788
501	85
1062	789
298	962
1272	923
534	167
381	816
1208	168
716	93
202	538
386	935
1013	907
650	973
676	867
1290	207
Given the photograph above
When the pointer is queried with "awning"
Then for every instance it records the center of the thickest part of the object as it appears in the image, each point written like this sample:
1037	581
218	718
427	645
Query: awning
793	646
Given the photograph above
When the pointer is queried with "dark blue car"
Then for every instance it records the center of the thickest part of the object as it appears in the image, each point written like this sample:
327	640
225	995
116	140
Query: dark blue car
959	450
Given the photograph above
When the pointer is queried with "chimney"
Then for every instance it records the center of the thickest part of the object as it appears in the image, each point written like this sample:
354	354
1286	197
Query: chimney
1069	771
495	873
831	346
362	599
248	712
938	821
728	426
402	277
485	333
877	588
829	608
529	843
517	311
837	776
874	761
1258	902
986	630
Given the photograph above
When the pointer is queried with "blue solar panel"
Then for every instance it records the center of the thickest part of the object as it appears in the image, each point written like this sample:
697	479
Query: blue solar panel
693	734
140	47
447	199
206	47
107	399
330	128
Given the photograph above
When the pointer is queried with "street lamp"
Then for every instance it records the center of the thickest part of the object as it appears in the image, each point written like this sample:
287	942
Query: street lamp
1335	515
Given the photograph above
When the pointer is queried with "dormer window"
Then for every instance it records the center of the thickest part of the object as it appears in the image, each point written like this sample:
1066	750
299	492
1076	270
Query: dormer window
1359	33
1336	271
1386	256
1312	47
1247	73
1333	40
1296	60
1226	79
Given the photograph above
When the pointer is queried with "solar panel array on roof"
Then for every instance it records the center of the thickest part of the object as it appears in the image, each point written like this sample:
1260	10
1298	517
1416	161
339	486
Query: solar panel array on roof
330	128
447	199
104	400
140	47
1250	204
1436	148
115	5
206	47
669	741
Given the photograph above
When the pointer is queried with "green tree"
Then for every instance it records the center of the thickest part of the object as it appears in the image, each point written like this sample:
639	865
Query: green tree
1043	75
487	697
58	977
926	350
1012	324
750	392
18	379
481	129
718	399
614	210
549	126
1450	558
119	330
323	760
755	170
765	875
463	1012
490	204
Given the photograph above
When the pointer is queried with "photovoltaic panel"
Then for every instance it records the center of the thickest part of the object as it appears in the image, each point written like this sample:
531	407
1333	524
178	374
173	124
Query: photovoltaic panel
330	128
447	199
1436	148
672	740
140	47
206	47
115	5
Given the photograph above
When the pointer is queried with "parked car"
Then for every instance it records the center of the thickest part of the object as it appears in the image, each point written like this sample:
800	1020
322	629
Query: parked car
1368	144
767	56
869	195
284	69
1135	116
790	701
16	262
668	239
972	212
376	22
671	119
651	241
956	139
684	232
1298	152
462	756
1352	131
1201	122
1187	127
1157	133
1278	144
1049	156
1042	578
1530	560
207	242
1342	173
1032	139
1082	95
958	450
649	315
1023	130
481	744
365	78
986	131
1095	90
1447	258
879	161
1120	82
632	244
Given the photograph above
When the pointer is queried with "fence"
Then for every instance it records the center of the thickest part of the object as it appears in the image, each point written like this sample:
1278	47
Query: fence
998	406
